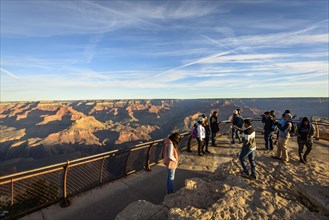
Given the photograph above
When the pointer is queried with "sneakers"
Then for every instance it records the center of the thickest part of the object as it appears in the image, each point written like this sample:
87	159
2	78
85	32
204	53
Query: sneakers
207	151
253	176
200	154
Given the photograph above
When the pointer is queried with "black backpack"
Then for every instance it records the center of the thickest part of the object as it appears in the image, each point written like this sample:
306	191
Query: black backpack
293	129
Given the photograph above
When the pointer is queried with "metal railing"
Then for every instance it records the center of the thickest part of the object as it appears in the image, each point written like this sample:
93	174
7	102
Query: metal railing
28	191
25	192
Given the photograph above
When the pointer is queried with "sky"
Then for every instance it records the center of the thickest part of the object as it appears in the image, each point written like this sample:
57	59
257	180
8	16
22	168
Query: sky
78	50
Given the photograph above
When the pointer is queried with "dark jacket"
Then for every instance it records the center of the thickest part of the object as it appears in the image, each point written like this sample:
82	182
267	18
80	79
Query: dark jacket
305	132
268	123
238	121
214	124
207	130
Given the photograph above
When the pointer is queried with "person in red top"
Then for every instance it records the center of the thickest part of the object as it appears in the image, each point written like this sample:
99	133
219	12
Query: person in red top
170	158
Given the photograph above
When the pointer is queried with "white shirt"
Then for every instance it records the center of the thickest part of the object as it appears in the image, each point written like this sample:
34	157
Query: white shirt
201	132
249	137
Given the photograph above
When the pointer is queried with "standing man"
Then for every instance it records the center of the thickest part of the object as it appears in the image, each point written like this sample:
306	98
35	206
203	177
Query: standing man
248	149
284	135
214	127
237	122
305	134
269	122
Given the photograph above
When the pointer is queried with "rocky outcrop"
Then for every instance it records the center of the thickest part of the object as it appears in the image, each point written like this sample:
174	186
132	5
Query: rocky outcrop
10	134
142	210
282	191
128	133
80	132
61	112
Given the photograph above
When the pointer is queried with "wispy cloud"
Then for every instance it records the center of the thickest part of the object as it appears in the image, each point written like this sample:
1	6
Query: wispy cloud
8	73
91	46
168	47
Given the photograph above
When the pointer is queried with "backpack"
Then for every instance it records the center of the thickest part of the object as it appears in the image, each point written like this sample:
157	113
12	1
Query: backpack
194	131
293	129
239	121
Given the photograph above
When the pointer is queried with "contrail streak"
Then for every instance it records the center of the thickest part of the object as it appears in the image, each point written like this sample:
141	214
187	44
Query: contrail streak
8	73
191	63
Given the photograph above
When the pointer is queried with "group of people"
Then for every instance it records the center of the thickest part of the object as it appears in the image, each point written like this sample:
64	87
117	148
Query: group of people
284	128
243	131
201	132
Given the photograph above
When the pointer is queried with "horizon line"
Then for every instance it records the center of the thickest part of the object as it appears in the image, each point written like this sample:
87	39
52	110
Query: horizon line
128	99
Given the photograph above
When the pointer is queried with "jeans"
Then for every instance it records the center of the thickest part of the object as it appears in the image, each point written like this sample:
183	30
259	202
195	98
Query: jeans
308	144
268	140
206	142
200	146
170	180
235	134
246	152
213	138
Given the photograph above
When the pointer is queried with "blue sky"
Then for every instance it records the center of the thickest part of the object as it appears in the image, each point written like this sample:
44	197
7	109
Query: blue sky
69	50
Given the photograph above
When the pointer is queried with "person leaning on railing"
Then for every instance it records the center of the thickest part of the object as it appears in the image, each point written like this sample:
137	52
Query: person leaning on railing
170	158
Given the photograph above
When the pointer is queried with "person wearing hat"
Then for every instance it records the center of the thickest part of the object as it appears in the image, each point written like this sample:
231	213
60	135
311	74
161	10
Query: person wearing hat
201	135
284	135
170	158
206	126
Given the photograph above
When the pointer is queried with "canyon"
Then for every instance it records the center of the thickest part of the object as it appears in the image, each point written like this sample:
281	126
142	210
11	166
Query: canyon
41	133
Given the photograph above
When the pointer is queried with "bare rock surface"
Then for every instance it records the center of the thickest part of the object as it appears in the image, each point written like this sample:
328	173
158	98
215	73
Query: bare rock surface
141	210
281	191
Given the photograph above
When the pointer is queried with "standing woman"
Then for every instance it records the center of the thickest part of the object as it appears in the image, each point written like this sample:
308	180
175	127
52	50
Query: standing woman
170	159
214	127
206	126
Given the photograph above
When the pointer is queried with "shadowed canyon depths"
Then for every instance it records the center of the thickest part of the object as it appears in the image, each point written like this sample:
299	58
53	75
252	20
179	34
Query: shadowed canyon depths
40	133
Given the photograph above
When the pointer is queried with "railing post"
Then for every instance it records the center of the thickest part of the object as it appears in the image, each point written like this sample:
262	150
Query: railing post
147	162
317	131
101	172
12	192
126	162
65	202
